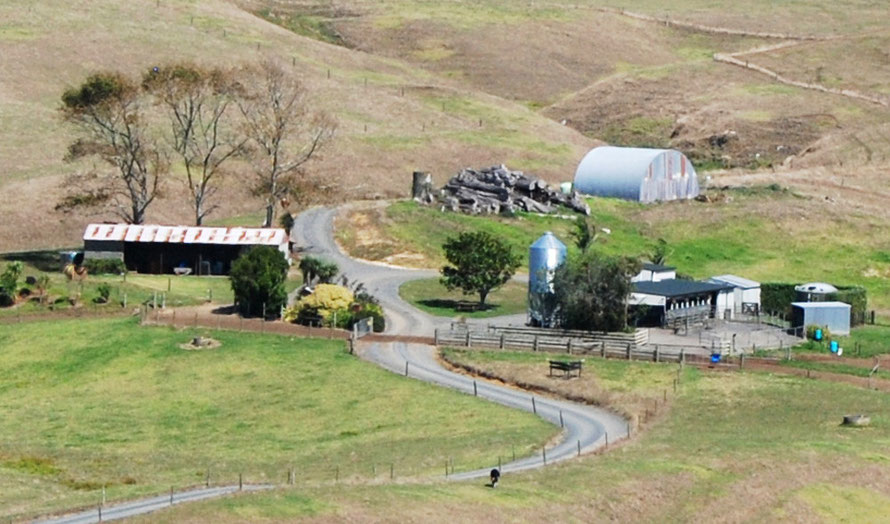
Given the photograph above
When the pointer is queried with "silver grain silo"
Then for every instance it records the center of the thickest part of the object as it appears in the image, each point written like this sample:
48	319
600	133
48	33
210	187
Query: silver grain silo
545	255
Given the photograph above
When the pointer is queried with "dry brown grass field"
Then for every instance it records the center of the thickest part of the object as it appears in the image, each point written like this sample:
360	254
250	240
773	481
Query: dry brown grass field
410	82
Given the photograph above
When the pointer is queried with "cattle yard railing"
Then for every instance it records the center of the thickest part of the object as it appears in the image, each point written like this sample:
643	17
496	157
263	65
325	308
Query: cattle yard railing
538	339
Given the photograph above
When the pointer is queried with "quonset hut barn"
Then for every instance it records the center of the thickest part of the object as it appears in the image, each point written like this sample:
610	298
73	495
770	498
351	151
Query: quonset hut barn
171	249
631	173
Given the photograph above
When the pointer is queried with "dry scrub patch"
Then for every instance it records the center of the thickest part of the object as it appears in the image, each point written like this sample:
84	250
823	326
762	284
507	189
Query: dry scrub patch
637	391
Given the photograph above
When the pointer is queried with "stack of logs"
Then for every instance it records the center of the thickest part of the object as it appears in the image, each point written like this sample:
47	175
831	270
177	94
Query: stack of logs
499	190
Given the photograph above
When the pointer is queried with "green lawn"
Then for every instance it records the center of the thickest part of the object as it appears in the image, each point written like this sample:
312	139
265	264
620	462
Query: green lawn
431	296
864	342
107	402
738	235
775	439
138	288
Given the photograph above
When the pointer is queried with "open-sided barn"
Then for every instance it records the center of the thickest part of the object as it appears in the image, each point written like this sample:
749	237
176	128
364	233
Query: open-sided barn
163	249
632	173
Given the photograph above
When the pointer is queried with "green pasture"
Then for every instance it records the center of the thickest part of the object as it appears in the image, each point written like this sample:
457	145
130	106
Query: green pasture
96	403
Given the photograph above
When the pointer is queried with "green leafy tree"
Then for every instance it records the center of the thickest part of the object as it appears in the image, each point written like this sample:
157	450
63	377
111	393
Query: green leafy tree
584	233
479	263
592	291
316	268
257	279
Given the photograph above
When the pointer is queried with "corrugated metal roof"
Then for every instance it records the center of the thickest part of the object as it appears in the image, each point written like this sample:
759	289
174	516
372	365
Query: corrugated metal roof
648	266
821	305
673	288
736	281
235	236
635	173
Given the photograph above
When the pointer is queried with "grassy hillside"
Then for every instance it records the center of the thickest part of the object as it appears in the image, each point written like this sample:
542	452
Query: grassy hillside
99	403
393	118
639	81
764	233
734	447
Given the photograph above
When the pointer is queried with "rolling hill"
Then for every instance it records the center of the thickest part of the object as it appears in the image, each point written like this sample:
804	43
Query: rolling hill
442	85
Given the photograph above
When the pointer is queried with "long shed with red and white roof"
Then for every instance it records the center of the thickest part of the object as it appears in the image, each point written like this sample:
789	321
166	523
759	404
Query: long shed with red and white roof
162	249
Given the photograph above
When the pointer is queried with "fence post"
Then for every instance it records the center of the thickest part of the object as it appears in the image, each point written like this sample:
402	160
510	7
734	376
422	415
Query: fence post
240	482
579	448
207	479
562	424
742	361
535	347
501	345
655	353
544	452
171	495
628	352
436	337
406	368
569	345
475	391
468	337
682	356
534	406
603	348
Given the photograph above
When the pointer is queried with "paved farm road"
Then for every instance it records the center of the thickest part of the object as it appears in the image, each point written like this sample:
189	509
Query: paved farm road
585	427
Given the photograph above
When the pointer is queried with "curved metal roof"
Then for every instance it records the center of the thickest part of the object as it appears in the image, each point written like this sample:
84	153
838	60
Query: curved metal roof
635	173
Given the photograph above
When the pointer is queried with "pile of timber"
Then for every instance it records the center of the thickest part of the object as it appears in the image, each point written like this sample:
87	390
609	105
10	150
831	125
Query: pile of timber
499	190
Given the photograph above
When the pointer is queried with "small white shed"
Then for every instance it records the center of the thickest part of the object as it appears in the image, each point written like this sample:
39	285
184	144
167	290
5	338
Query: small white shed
745	295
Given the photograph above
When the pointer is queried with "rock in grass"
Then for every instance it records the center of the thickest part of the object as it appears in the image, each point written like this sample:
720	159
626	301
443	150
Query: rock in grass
856	420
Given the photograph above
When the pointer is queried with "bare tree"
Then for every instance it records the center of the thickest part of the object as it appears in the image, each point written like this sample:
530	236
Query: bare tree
199	107
108	110
284	133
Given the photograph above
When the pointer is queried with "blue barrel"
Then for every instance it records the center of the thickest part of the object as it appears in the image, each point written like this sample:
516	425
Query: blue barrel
833	346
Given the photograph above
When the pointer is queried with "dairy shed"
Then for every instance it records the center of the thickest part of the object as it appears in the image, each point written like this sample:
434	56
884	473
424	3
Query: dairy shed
633	173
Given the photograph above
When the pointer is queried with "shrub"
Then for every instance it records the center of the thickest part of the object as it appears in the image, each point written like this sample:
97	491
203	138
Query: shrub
257	279
313	268
9	280
5	299
105	266
104	291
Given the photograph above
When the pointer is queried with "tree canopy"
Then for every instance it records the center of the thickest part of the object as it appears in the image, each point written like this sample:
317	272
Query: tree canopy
108	110
257	279
591	292
479	263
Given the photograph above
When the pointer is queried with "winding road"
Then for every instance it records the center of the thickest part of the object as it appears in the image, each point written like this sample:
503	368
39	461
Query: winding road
585	428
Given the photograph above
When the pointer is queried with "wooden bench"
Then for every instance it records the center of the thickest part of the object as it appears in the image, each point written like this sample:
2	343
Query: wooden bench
467	306
566	366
